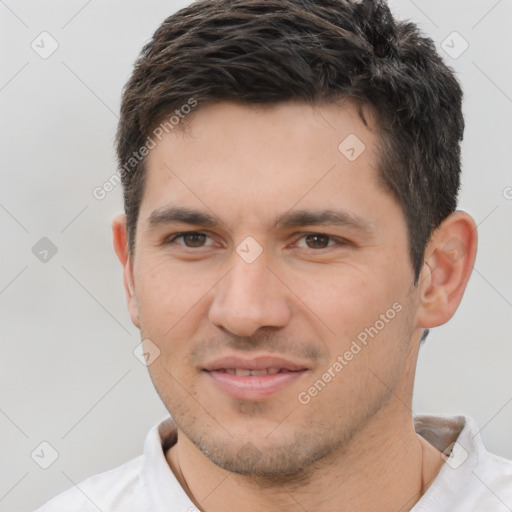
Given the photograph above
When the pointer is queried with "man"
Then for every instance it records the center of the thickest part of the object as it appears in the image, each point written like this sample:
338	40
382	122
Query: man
290	172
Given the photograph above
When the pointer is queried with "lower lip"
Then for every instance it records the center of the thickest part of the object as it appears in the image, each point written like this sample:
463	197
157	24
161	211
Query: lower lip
253	387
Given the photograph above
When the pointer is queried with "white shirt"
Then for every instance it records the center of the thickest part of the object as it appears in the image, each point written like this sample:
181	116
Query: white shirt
471	480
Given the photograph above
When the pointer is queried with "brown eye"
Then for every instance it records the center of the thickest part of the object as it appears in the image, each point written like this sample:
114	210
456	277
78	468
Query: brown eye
194	239
317	241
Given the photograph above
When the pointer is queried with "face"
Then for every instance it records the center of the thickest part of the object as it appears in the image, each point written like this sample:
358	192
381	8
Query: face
272	272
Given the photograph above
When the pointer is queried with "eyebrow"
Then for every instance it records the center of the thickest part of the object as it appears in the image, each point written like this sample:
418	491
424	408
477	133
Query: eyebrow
325	217
181	214
288	219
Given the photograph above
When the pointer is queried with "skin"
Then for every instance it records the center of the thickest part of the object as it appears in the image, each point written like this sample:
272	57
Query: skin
353	445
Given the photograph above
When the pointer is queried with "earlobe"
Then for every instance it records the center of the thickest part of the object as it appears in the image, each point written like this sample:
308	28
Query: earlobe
449	260
120	241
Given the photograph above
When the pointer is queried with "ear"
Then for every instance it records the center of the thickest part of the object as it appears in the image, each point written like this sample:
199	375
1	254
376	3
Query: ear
449	259
120	239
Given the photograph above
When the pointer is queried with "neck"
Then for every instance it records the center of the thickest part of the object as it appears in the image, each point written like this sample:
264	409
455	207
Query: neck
386	466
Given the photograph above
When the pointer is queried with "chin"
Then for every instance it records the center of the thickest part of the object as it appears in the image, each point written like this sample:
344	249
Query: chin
263	457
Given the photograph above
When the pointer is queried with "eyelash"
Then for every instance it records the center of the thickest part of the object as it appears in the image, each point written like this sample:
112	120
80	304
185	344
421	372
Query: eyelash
338	241
171	239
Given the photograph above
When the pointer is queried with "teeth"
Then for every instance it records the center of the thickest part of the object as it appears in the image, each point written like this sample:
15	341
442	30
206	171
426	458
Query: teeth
242	372
259	372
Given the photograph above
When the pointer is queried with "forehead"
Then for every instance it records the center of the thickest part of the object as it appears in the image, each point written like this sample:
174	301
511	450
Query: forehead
261	161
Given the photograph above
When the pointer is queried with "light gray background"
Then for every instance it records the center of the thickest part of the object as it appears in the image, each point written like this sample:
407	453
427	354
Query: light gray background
68	373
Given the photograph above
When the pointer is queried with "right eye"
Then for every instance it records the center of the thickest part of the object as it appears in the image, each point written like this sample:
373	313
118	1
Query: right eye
190	239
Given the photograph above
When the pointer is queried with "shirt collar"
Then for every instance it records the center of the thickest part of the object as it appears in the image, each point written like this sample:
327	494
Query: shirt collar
456	436
163	487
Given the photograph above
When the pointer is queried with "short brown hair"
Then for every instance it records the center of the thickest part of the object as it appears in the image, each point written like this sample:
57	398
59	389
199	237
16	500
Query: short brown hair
271	51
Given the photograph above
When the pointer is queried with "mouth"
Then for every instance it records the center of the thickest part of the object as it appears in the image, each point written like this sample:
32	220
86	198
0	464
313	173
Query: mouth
243	372
253	379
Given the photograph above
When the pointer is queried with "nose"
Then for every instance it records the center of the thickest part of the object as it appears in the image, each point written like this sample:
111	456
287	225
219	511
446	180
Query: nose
250	296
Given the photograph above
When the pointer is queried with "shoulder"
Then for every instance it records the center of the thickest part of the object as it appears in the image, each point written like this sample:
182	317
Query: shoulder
119	489
472	478
494	474
483	482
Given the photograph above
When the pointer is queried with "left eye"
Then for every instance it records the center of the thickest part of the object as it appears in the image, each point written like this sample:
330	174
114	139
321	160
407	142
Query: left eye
316	241
191	239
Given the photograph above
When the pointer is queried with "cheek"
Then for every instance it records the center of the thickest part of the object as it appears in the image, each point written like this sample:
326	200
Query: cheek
171	300
346	299
365	320
172	306
371	319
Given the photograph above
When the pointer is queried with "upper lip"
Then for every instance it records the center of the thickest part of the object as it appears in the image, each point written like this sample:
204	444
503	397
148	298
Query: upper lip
254	363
